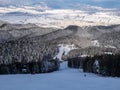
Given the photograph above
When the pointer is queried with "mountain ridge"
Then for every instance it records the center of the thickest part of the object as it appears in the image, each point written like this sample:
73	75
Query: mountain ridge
44	41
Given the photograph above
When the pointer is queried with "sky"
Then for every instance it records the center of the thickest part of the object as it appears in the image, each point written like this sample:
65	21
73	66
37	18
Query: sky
64	3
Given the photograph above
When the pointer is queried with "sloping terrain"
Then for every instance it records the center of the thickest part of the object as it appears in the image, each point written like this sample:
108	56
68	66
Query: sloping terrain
64	79
15	31
32	41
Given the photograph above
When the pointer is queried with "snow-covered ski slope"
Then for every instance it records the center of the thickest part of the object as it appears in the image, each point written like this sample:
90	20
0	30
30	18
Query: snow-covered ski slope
65	79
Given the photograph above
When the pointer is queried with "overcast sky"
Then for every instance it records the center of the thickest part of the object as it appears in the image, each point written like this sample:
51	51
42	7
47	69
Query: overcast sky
63	3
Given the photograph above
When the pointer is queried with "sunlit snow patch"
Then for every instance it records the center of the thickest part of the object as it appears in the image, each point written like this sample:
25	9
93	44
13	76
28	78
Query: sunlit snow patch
109	53
95	43
64	49
109	46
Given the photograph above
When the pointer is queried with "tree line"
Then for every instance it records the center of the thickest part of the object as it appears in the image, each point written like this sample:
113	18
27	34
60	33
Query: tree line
44	66
105	65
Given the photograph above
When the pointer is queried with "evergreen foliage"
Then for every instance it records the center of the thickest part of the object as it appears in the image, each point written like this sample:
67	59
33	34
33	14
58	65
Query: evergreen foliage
106	65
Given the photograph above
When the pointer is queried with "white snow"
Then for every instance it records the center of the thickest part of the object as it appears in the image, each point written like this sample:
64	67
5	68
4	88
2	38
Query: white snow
65	79
96	65
84	55
109	46
109	53
64	49
95	43
58	18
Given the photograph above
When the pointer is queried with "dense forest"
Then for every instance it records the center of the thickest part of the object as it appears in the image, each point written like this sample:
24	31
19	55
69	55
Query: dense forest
23	56
105	65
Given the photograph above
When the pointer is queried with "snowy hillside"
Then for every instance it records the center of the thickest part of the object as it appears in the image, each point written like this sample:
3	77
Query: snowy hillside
65	79
37	37
64	49
44	16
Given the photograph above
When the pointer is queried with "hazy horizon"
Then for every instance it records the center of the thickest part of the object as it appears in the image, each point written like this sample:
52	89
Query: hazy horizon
64	3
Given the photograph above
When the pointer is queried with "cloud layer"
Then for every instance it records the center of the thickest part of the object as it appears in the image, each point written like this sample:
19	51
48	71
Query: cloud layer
63	3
